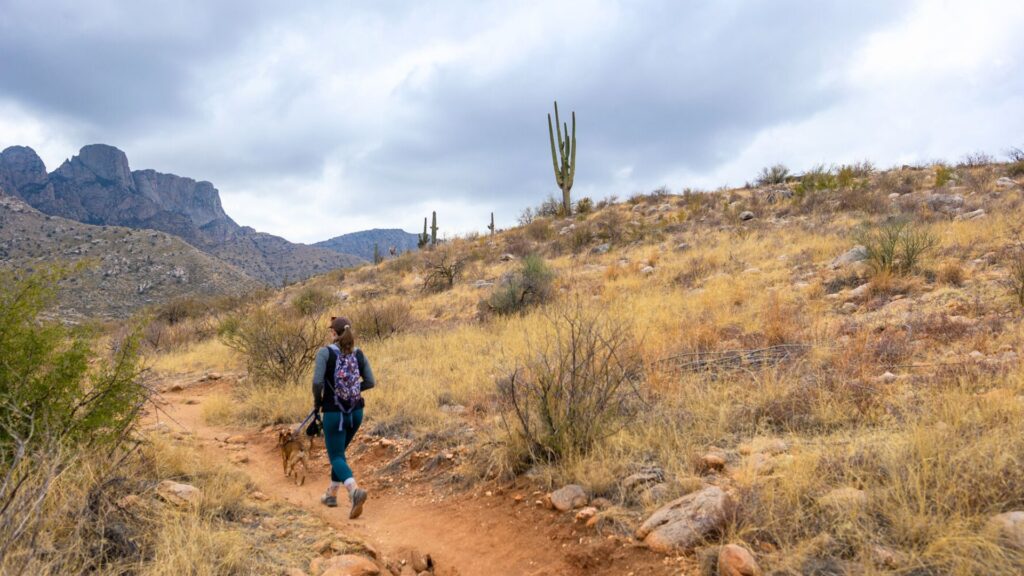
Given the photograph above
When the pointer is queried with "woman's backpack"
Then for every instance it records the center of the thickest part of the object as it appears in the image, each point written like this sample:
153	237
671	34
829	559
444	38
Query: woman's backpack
347	387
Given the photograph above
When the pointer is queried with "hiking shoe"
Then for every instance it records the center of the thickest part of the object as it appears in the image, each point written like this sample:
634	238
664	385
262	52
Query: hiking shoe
329	501
358	499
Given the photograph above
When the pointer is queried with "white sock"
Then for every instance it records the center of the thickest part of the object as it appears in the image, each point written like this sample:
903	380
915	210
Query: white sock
333	488
350	485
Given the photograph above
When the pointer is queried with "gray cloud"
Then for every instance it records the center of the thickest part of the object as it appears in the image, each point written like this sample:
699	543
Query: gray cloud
383	111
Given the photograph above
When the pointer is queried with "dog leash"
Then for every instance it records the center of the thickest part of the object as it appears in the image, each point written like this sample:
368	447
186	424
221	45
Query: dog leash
304	422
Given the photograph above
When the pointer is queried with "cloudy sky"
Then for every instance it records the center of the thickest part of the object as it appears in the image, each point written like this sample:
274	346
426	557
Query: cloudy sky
315	118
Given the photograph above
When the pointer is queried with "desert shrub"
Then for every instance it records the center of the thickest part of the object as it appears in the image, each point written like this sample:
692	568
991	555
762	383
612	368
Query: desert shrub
1015	278
695	270
524	288
313	301
944	174
976	160
58	398
551	207
769	175
896	181
610	226
1016	167
896	246
816	179
442	267
576	386
951	273
584	206
278	345
580	237
540	230
379	320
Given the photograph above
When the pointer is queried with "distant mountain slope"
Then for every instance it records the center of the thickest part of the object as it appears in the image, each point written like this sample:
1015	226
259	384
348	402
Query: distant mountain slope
98	187
125	269
361	243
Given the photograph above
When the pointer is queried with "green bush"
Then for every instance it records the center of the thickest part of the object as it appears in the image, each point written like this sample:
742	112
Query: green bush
943	175
527	287
374	320
313	301
584	206
897	246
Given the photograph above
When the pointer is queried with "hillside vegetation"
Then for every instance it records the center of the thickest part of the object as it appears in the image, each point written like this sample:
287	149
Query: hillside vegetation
837	352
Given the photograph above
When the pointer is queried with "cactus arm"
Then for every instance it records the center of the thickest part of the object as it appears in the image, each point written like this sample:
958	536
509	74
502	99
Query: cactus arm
554	157
572	161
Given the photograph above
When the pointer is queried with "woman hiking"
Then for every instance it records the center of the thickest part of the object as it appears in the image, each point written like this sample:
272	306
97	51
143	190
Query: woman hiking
340	374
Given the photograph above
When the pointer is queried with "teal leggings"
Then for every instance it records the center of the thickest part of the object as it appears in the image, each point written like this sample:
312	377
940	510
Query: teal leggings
339	429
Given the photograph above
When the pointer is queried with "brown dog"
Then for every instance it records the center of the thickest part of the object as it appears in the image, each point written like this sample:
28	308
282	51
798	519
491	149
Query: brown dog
293	453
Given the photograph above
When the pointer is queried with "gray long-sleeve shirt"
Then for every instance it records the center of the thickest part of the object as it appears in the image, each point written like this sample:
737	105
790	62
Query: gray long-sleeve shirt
320	373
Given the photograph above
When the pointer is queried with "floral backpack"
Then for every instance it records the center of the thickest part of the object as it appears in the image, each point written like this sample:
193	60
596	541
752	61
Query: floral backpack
347	386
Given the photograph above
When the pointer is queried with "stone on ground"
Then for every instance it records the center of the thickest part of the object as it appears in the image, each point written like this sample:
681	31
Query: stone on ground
179	494
734	560
686	522
1008	527
349	565
568	498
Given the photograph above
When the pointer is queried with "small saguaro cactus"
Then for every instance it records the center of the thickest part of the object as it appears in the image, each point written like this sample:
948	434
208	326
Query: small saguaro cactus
491	225
433	229
421	242
564	158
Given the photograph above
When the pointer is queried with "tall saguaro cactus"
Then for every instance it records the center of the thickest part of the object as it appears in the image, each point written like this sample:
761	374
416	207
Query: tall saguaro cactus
433	229
564	158
491	225
421	242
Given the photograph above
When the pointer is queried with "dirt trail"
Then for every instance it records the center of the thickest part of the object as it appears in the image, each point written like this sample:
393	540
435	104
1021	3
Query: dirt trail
466	535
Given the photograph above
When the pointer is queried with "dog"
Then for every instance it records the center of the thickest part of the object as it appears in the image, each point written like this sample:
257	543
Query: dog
293	452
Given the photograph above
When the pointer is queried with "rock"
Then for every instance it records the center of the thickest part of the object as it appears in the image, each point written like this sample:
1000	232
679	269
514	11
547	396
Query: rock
713	461
601	248
776	194
858	253
568	498
602	503
643	478
585	514
507	257
946	203
746	215
1005	182
237	439
894	196
682	246
887	378
846	499
239	458
973	215
886	557
975	355
483	284
656	493
734	560
179	494
686	522
259	496
453	409
1008	528
349	565
647	270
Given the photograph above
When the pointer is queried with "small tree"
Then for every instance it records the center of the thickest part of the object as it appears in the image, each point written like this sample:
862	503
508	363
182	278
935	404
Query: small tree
279	346
776	174
441	269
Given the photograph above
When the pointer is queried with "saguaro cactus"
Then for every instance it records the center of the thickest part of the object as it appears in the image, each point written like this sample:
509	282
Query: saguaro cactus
491	225
564	158
433	229
424	238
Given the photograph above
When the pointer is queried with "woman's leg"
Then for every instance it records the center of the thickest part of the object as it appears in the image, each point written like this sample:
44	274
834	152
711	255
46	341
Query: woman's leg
357	496
336	441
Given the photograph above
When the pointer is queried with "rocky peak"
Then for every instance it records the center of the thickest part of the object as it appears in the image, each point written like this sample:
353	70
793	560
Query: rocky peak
198	201
99	163
23	174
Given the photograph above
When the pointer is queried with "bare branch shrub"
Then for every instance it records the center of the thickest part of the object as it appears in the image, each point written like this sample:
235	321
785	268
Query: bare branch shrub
442	267
897	246
776	174
575	388
1015	280
379	320
278	345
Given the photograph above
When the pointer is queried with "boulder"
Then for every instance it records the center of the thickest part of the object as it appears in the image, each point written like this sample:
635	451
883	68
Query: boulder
746	215
179	494
946	203
568	498
507	257
858	253
1005	182
349	565
684	523
734	560
644	478
585	514
683	246
647	270
601	248
1008	528
713	461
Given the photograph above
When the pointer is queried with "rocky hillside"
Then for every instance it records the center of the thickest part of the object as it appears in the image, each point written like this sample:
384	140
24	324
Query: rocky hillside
123	269
98	187
361	243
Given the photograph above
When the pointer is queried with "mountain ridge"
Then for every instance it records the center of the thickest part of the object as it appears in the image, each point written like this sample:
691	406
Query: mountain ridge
361	243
